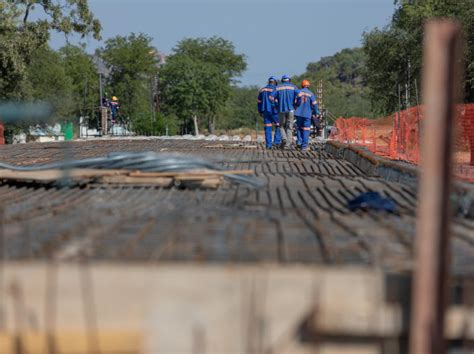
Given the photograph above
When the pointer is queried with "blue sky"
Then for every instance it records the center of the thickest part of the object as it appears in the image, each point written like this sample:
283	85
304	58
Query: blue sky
277	36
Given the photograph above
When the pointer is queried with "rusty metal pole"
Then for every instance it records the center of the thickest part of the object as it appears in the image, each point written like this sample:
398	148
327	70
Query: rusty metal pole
440	90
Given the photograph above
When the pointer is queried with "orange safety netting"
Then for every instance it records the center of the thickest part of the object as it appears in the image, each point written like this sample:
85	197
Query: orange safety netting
398	136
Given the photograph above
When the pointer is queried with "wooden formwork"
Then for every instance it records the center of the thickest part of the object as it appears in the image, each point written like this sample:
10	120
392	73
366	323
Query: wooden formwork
175	308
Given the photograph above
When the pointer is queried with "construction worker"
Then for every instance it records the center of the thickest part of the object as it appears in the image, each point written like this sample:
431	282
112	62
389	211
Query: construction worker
284	99
316	120
114	108
306	107
268	111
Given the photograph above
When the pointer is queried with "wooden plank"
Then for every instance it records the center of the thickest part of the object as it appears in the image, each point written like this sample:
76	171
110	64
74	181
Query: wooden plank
211	183
185	181
108	341
209	178
192	172
54	175
156	181
170	302
441	83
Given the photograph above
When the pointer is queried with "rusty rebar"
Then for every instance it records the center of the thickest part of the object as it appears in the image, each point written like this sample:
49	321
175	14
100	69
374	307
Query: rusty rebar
440	91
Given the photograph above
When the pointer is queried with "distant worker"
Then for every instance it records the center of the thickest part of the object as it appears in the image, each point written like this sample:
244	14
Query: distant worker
316	120
269	112
114	108
284	98
306	107
105	102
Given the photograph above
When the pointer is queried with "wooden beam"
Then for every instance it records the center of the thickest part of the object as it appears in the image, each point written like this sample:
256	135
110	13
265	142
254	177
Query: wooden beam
441	87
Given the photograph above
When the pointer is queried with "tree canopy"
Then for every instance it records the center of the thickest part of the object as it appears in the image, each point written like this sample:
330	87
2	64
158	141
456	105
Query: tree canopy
394	53
345	91
196	81
131	64
82	72
216	51
49	82
241	109
20	36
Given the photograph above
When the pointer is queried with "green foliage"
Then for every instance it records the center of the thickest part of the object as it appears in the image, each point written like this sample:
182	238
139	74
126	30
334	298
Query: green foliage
81	70
162	125
17	45
241	109
192	88
394	53
132	64
196	80
345	91
20	37
66	16
49	82
46	79
215	50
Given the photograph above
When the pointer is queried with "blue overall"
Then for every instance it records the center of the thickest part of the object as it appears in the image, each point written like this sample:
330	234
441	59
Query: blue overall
114	108
306	106
284	98
268	111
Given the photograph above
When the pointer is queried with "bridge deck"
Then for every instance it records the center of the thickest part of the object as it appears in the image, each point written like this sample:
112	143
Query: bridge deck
299	217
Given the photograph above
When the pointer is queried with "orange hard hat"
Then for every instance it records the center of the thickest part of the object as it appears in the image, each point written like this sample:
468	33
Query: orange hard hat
305	83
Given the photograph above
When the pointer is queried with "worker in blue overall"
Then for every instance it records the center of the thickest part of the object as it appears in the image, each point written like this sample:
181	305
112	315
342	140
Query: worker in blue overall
267	109
284	98
306	107
114	108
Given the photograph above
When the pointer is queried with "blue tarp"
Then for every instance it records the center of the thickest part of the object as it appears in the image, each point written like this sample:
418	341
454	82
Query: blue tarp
373	201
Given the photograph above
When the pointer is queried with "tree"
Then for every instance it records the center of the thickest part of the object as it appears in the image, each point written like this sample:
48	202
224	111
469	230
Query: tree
394	53
48	81
345	91
192	89
20	36
197	79
132	64
215	50
241	109
80	68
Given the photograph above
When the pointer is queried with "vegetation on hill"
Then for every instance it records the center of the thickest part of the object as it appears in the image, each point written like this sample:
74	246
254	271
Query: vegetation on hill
394	53
345	91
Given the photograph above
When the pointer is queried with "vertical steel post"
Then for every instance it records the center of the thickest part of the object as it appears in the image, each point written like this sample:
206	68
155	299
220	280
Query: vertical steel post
440	91
399	122
416	93
256	129
418	121
408	93
407	99
100	90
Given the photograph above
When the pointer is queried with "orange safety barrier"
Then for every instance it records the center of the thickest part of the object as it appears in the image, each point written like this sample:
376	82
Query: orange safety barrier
398	136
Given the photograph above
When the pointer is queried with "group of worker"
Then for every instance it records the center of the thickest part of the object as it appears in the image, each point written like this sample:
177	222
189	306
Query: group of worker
279	104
